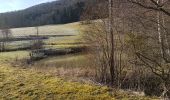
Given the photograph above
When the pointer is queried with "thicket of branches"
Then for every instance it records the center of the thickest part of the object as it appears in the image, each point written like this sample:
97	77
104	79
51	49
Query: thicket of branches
131	44
5	35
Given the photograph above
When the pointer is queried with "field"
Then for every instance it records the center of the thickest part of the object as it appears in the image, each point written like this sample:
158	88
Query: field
26	84
63	36
66	77
58	35
68	29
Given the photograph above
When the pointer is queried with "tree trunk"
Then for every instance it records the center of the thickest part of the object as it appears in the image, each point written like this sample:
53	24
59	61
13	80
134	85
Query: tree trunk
112	61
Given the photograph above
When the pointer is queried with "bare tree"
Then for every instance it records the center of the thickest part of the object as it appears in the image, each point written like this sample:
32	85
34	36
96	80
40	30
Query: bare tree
156	5
107	44
147	43
112	52
150	38
5	36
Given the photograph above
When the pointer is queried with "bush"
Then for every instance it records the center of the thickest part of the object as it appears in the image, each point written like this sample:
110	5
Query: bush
152	86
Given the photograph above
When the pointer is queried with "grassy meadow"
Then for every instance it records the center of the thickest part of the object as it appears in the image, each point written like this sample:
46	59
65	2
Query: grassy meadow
67	77
67	29
27	84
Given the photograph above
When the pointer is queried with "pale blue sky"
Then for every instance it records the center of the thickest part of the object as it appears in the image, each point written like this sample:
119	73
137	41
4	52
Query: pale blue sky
12	5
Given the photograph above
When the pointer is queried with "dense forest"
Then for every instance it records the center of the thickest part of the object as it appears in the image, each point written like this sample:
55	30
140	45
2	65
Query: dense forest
56	12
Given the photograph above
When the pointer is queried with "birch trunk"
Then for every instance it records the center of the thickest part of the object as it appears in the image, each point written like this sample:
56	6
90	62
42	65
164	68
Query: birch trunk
112	61
165	34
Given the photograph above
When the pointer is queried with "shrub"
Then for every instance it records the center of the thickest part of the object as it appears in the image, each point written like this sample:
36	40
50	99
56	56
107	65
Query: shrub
152	86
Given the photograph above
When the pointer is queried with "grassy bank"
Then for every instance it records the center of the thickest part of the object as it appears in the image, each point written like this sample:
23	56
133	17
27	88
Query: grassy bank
24	84
40	81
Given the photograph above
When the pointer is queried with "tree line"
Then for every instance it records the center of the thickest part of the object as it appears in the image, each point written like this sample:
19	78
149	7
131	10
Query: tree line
57	12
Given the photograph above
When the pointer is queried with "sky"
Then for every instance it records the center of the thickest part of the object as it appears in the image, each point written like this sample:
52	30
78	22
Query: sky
13	5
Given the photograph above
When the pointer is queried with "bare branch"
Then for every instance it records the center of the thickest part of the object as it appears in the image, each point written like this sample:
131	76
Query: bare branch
157	8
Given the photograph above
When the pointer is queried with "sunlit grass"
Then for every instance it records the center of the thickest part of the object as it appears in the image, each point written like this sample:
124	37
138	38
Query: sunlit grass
10	56
25	84
33	84
72	29
66	29
67	60
28	85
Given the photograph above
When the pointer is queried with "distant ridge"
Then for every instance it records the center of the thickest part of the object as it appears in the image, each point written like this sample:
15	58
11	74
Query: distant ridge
56	12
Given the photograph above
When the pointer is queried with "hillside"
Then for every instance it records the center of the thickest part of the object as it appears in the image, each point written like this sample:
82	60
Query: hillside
56	12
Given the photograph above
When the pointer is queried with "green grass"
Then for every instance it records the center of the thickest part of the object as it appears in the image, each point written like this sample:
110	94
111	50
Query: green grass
10	56
53	42
63	42
32	84
67	62
24	84
66	58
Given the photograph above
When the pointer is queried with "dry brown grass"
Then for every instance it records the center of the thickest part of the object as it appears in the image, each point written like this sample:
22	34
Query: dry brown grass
70	67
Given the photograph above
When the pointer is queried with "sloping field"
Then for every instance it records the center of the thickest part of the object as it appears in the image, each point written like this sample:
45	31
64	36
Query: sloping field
17	83
59	36
24	84
66	29
28	85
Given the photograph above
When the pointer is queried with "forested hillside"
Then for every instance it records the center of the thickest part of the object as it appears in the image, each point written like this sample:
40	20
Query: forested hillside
56	12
